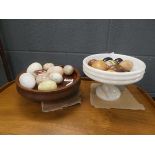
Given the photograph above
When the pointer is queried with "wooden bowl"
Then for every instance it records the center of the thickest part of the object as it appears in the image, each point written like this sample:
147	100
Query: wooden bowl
67	88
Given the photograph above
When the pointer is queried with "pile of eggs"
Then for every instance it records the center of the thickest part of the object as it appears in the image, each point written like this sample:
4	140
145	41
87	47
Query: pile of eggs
46	77
108	64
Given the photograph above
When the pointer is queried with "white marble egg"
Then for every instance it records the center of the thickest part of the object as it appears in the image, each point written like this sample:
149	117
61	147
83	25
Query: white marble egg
68	69
48	85
57	77
27	80
42	77
55	69
33	67
46	66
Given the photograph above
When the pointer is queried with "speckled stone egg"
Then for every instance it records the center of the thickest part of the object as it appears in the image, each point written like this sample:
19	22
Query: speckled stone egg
57	77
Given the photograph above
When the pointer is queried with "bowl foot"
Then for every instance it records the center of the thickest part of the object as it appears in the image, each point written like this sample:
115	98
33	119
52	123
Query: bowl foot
108	92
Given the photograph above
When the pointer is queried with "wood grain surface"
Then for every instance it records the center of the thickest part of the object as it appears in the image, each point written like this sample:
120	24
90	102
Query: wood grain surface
22	116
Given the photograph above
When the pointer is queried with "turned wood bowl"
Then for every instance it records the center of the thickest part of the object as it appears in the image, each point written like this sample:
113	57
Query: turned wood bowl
67	88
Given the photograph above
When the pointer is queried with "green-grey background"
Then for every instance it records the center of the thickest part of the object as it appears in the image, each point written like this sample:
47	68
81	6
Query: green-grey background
69	41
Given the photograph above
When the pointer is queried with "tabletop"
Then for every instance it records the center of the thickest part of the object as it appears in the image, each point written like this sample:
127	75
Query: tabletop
19	115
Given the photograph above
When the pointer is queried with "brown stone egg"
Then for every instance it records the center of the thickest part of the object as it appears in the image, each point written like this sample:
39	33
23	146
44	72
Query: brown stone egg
100	64
126	65
111	63
110	70
117	68
91	62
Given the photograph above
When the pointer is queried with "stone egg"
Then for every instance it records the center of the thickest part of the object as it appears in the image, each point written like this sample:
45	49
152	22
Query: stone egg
47	86
57	77
107	59
110	63
42	77
55	69
33	67
68	69
39	72
27	80
117	68
91	62
118	60
99	64
127	65
46	66
109	70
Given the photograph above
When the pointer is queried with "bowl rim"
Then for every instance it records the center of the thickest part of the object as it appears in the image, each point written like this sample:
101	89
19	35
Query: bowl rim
49	92
113	82
113	73
111	77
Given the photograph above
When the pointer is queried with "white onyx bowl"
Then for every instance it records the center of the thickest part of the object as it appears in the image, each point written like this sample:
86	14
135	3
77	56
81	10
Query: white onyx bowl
107	91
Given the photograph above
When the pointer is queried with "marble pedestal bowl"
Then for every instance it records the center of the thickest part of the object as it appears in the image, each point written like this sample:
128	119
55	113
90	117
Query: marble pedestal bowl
108	90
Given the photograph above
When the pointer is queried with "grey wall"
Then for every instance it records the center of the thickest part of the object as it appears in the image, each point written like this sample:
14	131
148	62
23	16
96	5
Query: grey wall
69	41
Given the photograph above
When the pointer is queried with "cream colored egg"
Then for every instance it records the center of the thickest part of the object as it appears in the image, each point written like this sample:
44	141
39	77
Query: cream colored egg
33	67
68	69
57	77
46	66
42	77
55	69
49	71
27	80
48	85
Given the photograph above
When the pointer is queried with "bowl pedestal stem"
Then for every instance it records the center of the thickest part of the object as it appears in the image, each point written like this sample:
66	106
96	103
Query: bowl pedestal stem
108	92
